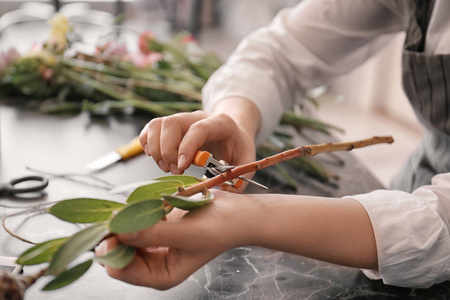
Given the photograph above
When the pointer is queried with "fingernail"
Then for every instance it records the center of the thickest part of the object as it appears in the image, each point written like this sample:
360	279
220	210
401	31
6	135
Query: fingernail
163	166
146	149
174	169
100	249
182	161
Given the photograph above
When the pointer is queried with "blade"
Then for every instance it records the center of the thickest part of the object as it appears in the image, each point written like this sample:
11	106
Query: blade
223	168
105	161
254	182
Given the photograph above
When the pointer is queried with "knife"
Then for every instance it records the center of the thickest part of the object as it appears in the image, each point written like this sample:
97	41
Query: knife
127	151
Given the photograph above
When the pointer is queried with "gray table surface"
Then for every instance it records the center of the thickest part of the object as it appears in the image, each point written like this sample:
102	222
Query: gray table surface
65	144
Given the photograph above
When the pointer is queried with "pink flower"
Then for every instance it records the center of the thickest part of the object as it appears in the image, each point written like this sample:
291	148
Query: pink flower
47	73
144	41
188	39
8	58
111	49
142	61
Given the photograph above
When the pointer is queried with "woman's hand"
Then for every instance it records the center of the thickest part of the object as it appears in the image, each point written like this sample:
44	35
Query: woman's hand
336	230
170	251
228	134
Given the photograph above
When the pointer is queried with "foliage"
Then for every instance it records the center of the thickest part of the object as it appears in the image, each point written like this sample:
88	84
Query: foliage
105	218
162	78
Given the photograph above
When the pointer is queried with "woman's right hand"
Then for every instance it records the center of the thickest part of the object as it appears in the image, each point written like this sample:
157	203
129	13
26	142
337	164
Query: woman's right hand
173	141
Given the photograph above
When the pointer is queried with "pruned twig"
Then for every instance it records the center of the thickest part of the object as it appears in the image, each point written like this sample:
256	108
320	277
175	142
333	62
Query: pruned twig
281	157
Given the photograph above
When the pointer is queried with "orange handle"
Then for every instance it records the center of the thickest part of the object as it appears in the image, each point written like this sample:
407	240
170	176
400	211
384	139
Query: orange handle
131	149
201	157
238	183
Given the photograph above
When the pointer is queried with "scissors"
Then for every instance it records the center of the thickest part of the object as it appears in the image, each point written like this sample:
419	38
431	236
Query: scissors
38	183
214	167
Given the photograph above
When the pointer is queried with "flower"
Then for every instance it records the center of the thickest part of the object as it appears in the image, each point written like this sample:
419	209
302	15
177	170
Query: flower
60	26
38	52
145	39
8	58
111	50
143	61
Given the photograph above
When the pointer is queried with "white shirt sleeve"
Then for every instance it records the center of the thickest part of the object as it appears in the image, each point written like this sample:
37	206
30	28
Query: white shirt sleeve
411	233
304	47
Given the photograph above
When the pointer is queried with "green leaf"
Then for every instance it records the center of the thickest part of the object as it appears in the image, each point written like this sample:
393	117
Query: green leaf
188	203
68	276
84	210
186	180
40	253
117	258
80	242
153	191
137	216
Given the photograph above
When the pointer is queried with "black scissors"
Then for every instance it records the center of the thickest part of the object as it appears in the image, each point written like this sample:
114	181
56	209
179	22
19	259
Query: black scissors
36	183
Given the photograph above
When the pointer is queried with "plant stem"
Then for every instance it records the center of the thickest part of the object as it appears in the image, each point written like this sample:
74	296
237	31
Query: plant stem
281	157
153	85
17	214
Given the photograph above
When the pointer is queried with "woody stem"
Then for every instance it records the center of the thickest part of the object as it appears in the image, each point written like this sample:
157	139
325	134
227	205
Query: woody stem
281	157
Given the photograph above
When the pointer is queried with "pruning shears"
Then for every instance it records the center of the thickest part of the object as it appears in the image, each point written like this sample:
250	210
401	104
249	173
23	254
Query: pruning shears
213	167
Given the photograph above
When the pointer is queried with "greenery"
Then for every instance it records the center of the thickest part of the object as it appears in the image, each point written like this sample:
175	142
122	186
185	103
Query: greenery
144	207
160	79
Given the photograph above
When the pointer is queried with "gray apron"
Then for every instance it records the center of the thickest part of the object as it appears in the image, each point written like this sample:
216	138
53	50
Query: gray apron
426	81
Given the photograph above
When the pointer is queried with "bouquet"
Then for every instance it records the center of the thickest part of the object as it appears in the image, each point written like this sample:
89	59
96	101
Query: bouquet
160	79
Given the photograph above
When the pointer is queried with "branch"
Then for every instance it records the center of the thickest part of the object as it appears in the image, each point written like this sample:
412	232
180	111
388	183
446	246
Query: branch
281	157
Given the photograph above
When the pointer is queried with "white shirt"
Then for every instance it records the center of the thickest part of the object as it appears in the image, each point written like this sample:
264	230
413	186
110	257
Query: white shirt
313	43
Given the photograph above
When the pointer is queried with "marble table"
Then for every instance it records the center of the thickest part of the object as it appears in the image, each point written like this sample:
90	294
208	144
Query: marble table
65	144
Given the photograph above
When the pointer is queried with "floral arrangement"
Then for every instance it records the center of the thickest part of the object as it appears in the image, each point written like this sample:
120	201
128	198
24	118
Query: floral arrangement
161	78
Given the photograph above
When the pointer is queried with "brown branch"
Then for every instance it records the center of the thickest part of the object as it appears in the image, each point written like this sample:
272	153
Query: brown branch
281	157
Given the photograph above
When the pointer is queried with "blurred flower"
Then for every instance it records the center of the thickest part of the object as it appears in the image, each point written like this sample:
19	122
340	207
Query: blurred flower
188	39
145	39
111	50
143	61
38	52
7	58
58	34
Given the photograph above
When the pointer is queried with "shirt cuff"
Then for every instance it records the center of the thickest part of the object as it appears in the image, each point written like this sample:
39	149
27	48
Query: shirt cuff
412	239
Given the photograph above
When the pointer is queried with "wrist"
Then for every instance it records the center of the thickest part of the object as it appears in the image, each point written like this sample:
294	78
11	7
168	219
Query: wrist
246	116
248	219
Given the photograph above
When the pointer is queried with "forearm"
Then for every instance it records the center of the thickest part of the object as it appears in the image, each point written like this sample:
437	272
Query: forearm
329	229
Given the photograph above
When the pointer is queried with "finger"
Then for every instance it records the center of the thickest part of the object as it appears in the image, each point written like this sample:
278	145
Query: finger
171	135
137	272
153	142
172	132
143	139
158	268
106	246
214	128
176	214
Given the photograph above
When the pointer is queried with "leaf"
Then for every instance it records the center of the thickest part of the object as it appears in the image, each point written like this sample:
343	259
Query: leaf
153	191
185	179
137	216
117	258
40	253
187	203
68	276
81	241
84	210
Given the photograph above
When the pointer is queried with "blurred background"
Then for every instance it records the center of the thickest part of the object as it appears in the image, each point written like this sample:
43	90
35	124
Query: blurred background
368	101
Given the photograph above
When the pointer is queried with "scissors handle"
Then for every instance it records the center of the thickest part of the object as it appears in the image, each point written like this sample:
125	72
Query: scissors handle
11	187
